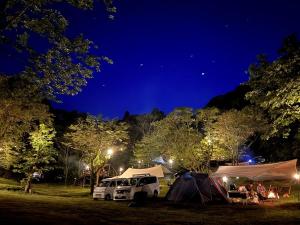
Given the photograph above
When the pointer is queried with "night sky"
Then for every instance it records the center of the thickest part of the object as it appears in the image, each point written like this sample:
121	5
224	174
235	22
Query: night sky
176	53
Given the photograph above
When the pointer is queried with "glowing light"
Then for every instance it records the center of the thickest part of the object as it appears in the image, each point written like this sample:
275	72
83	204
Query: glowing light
139	161
171	161
250	160
237	178
225	179
297	176
121	169
271	195
110	152
209	141
87	167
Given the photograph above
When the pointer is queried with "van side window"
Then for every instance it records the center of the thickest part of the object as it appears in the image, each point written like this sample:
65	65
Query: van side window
119	182
143	180
113	184
151	180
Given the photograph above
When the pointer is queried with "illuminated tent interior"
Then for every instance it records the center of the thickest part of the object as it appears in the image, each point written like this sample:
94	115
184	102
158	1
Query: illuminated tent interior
273	171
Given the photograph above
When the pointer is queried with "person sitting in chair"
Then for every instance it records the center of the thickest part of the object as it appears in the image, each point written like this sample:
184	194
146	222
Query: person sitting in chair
261	192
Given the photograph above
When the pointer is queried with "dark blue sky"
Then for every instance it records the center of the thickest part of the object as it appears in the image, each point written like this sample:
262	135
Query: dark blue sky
177	53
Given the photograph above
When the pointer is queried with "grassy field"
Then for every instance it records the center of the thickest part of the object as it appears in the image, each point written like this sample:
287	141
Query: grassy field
53	204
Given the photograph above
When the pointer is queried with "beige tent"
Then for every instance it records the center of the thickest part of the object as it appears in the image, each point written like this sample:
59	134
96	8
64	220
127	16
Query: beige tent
158	171
273	171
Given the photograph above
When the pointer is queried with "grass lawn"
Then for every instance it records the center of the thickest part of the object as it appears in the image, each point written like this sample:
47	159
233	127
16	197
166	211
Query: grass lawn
59	205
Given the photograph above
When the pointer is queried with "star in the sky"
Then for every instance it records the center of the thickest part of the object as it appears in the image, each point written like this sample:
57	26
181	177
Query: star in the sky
202	73
141	65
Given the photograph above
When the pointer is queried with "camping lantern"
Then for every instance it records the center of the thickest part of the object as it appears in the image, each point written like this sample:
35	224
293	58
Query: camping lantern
271	194
109	152
225	179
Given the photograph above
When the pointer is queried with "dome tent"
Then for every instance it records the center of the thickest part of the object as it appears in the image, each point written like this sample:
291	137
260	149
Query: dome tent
197	187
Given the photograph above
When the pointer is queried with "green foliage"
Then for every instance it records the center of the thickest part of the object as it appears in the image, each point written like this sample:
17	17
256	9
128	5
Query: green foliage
19	115
180	136
276	87
65	63
93	136
40	155
233	129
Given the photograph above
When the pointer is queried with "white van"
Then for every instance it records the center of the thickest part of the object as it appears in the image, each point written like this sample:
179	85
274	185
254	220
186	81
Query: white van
106	188
128	188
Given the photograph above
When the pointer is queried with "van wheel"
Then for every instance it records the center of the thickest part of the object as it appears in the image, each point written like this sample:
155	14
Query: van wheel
155	194
107	197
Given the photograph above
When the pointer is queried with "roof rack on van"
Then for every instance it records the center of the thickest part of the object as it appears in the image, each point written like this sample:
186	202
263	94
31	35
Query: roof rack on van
141	174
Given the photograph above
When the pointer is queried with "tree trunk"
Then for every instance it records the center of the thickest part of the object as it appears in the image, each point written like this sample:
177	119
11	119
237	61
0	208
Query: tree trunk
92	178
66	165
28	184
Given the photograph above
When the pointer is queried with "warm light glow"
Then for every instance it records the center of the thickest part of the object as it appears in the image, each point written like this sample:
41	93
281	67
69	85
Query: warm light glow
209	141
139	161
121	169
171	161
237	178
271	194
87	167
110	152
225	179
297	176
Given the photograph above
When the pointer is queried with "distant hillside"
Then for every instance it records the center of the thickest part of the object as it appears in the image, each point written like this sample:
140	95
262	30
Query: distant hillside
232	100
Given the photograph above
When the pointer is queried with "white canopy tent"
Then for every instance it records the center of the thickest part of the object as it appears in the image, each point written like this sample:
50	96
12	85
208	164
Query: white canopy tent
273	171
158	171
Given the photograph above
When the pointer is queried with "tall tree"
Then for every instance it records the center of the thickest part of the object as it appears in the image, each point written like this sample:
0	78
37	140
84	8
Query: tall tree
39	156
19	115
93	136
233	129
276	87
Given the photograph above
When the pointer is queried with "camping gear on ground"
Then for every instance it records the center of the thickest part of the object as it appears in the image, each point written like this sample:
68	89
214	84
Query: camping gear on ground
197	187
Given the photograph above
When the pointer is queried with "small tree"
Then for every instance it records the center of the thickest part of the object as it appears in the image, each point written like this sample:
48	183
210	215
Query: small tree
39	156
93	136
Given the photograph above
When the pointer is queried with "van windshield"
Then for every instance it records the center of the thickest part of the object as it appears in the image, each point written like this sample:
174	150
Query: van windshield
133	181
129	182
104	183
125	183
